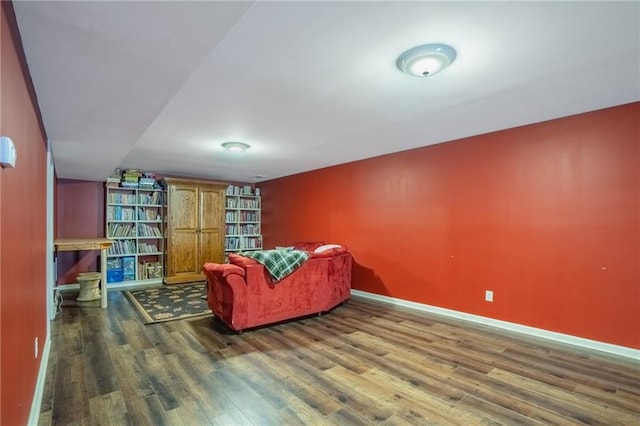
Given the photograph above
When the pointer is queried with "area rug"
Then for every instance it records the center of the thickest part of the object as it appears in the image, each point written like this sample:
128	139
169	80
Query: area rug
170	302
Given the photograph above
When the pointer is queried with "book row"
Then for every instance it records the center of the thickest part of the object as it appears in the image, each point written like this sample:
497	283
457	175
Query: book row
242	190
120	230
154	198
243	203
242	243
122	247
151	214
247	229
128	230
242	216
146	248
145	230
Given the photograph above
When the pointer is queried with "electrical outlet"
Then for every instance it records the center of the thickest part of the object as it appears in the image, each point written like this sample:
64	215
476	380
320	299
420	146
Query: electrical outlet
35	348
488	296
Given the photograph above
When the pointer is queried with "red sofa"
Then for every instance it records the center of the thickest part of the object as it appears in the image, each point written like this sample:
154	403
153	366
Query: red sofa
243	295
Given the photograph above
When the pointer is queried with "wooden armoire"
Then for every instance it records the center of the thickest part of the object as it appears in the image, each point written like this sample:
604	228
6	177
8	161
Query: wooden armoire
195	228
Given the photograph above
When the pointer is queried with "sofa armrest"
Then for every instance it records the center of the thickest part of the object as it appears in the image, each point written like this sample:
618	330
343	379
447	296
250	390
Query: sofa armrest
227	293
240	260
225	269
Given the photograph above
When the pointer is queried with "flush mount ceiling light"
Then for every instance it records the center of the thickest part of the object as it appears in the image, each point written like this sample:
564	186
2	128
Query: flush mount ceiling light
235	146
426	60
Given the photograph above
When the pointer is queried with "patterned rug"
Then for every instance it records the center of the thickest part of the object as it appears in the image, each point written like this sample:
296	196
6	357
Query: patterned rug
170	302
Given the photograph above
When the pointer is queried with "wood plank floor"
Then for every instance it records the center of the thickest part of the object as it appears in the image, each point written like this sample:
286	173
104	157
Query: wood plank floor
363	363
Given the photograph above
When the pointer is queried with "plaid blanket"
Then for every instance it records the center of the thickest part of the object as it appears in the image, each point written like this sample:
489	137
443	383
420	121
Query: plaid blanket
279	263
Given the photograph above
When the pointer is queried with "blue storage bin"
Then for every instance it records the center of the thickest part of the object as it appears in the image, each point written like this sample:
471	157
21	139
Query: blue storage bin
115	275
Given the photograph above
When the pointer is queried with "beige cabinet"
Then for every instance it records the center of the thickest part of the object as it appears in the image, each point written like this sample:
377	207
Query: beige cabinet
195	228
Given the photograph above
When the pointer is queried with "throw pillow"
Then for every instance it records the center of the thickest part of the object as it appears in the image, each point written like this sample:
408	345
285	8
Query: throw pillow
326	247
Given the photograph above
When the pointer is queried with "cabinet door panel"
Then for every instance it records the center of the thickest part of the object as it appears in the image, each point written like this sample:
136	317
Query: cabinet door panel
211	225
183	259
182	235
183	212
212	247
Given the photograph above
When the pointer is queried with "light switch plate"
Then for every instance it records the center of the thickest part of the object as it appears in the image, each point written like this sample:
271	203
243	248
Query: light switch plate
7	152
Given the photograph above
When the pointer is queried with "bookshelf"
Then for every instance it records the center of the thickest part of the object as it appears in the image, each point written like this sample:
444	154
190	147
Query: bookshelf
242	219
134	221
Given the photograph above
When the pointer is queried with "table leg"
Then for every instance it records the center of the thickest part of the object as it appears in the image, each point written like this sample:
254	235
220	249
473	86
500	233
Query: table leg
103	271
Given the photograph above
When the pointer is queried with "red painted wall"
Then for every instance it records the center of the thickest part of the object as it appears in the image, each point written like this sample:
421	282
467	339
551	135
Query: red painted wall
22	233
79	207
547	216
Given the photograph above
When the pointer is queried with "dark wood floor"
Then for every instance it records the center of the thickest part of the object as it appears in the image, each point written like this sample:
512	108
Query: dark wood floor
363	363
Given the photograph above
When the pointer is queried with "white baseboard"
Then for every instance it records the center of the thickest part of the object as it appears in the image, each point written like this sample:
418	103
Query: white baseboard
36	403
111	287
518	328
135	285
67	287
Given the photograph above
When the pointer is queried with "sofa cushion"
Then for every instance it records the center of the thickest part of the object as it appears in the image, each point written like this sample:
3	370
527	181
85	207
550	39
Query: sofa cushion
241	261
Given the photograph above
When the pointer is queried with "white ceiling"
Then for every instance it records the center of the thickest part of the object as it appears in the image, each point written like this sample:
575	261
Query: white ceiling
160	85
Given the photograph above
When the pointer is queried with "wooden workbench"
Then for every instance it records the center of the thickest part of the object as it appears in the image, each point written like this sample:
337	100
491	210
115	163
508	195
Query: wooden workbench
82	244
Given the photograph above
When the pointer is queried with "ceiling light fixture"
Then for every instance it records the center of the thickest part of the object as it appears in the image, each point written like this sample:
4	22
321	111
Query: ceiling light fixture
235	146
426	60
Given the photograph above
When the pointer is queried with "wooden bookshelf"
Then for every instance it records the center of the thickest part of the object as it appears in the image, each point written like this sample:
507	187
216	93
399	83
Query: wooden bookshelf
134	222
242	219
